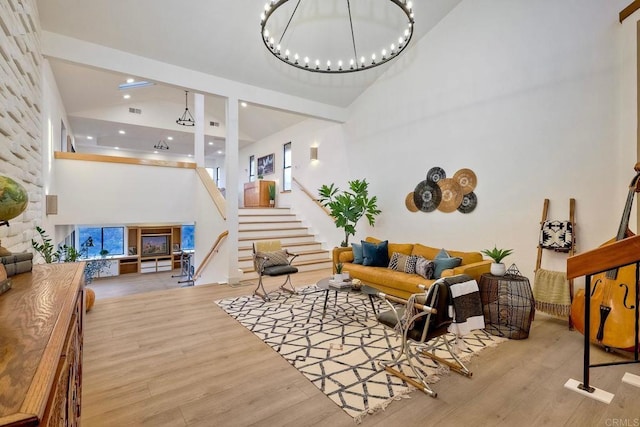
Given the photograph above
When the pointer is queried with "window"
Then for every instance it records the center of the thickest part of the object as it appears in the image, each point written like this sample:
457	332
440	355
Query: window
94	240
286	170
252	168
187	237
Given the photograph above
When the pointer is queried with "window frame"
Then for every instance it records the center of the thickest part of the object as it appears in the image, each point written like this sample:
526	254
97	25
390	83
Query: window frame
287	183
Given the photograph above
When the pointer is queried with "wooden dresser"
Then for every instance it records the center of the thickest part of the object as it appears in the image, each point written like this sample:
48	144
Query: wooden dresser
41	321
256	194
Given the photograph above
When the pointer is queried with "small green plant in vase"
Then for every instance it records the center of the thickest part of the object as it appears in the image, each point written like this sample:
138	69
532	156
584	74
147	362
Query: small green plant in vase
272	195
497	255
339	276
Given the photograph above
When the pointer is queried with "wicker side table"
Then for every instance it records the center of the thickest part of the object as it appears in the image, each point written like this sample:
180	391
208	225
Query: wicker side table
508	305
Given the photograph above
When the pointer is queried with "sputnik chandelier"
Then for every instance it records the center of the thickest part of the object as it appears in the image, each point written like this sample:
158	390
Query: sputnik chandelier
281	40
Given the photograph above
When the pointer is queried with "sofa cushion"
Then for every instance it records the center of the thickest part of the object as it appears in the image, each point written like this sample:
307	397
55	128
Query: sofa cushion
444	261
402	262
389	278
424	251
357	253
375	254
424	267
401	248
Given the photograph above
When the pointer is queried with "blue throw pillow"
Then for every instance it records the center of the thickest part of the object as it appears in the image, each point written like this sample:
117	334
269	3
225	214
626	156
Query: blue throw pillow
442	264
357	253
375	254
443	254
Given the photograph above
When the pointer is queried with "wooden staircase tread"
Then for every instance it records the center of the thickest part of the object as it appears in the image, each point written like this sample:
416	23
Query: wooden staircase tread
272	229
300	253
286	245
271	222
255	239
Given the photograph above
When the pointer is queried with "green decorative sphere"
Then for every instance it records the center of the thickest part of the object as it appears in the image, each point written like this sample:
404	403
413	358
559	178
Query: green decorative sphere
13	198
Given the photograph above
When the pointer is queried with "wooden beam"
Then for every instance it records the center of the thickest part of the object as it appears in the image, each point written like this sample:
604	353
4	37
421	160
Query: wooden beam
628	11
125	160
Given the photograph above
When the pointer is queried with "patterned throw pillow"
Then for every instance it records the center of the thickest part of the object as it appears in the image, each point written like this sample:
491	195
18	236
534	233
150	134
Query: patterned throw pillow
274	258
424	267
404	263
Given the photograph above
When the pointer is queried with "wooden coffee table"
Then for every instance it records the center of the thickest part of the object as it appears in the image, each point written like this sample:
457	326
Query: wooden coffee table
364	289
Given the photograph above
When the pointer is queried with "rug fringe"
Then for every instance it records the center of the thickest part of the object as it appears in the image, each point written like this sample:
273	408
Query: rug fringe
404	394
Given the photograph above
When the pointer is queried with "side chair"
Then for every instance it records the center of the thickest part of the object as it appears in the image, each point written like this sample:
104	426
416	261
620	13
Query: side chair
423	322
269	259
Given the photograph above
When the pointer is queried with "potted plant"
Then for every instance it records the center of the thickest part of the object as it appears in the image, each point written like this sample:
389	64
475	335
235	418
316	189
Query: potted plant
497	255
272	195
338	276
347	207
46	249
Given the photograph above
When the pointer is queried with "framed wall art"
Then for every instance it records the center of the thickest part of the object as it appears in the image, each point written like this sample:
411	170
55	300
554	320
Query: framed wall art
265	164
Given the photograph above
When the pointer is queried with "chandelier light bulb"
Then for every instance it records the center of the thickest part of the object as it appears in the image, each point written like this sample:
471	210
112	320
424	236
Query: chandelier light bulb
278	49
340	64
262	17
393	48
271	41
351	63
306	62
286	53
317	64
384	53
328	65
266	34
409	5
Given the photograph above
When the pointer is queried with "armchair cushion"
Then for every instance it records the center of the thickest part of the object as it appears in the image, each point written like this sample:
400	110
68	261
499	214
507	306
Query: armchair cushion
279	270
274	258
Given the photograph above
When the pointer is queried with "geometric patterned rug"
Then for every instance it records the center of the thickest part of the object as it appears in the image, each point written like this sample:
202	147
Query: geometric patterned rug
339	352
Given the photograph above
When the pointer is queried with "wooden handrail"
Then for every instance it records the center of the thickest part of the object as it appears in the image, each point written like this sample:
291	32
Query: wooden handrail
607	257
124	160
214	191
628	11
311	196
209	256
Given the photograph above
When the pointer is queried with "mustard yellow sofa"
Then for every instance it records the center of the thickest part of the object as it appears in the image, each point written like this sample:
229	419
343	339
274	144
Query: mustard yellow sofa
399	283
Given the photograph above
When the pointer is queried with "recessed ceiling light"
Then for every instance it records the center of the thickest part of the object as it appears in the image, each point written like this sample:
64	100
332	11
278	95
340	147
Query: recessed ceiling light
121	132
117	148
89	137
210	142
189	155
170	138
243	104
155	152
130	80
126	96
220	151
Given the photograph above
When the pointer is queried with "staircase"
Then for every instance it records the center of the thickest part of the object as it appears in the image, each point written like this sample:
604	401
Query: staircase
256	224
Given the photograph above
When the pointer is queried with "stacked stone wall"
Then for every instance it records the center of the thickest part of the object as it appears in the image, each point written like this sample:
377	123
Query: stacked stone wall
21	114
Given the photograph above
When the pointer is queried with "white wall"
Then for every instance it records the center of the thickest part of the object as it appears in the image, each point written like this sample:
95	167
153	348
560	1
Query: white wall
111	193
525	94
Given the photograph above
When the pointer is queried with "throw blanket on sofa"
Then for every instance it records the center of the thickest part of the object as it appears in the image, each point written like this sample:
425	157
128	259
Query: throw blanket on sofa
466	307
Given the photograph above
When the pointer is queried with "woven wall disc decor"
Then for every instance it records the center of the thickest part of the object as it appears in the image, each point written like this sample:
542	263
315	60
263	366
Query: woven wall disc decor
410	203
469	203
467	180
436	174
444	194
427	196
451	195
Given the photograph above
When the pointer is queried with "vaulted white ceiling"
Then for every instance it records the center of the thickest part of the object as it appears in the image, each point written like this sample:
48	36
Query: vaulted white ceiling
217	37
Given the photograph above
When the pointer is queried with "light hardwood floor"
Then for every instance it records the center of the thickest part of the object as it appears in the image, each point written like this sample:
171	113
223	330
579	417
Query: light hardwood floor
171	357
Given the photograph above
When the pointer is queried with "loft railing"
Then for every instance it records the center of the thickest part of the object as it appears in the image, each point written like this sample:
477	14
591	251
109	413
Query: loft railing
124	160
214	191
214	249
311	196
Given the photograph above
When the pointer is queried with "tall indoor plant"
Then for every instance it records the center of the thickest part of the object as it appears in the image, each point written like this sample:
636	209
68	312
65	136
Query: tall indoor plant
347	207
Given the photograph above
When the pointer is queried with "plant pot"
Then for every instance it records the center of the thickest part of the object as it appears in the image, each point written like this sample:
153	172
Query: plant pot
339	277
272	203
498	269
